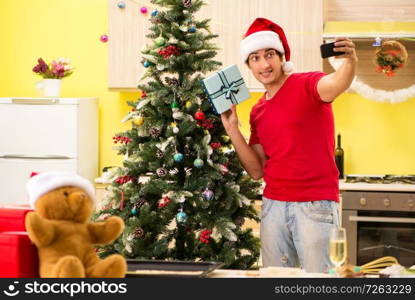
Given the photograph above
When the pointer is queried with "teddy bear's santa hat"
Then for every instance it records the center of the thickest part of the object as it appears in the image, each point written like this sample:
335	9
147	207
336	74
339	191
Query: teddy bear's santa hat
263	34
42	183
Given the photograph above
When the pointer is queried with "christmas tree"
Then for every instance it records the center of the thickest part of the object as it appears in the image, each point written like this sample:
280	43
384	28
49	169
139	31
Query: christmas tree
181	190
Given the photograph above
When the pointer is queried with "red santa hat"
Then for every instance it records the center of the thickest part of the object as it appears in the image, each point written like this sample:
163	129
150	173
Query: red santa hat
263	34
40	184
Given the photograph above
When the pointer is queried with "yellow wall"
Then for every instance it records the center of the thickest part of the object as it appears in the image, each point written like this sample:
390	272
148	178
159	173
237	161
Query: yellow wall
378	138
70	28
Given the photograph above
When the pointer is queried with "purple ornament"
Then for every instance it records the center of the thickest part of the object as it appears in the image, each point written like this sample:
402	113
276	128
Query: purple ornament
208	194
143	10
104	38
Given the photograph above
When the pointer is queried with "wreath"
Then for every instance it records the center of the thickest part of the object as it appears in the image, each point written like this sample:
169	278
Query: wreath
390	57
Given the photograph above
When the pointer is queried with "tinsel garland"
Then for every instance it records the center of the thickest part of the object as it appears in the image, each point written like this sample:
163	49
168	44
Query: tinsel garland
378	95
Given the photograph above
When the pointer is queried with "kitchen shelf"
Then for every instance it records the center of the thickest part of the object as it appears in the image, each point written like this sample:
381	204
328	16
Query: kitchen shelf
367	36
370	30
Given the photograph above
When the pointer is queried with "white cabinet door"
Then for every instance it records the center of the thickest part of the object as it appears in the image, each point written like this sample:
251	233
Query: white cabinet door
38	130
16	172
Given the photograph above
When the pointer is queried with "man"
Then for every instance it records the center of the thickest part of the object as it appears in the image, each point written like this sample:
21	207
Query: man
292	147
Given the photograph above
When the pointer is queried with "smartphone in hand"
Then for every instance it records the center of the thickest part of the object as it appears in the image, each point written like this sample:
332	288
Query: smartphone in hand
327	50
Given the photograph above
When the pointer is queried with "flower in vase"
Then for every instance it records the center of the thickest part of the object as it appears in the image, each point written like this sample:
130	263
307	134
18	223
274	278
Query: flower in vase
57	69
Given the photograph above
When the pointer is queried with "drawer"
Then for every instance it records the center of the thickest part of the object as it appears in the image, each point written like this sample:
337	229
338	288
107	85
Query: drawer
387	201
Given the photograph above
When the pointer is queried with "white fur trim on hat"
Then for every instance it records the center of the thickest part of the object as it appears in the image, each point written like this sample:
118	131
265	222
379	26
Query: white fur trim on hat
44	182
288	67
260	40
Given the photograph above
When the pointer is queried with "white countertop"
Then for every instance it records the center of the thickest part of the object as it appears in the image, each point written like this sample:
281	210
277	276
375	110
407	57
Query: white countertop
359	186
270	272
381	187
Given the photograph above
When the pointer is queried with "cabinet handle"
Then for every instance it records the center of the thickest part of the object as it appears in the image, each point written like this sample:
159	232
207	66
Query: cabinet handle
42	101
363	201
43	156
381	219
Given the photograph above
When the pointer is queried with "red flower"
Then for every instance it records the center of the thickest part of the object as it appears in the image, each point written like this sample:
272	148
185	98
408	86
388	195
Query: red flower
122	139
124	179
215	145
224	168
205	236
166	200
393	52
169	51
206	123
41	67
57	69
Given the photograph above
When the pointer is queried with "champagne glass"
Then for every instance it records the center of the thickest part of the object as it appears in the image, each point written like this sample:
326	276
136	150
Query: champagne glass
337	250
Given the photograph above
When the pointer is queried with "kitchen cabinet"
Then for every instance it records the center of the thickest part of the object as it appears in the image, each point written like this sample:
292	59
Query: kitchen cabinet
229	19
45	134
369	10
363	21
127	30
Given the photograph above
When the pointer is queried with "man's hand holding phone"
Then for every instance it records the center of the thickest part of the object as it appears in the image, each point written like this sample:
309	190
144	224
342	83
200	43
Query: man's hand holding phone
342	47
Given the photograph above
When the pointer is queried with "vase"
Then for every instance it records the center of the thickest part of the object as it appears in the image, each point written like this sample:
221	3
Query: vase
49	87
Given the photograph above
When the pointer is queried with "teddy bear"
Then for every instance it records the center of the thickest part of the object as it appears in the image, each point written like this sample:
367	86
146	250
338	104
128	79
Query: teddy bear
59	226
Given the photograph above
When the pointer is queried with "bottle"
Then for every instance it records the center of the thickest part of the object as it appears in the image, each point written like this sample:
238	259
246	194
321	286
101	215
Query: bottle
339	157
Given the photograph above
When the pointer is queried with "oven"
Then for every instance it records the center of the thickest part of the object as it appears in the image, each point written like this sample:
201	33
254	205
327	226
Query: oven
379	223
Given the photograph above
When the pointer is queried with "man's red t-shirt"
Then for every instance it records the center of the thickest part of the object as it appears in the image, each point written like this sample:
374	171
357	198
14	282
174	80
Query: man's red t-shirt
296	130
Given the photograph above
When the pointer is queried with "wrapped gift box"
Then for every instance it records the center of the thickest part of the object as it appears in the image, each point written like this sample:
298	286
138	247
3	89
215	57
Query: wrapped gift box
18	256
225	87
12	218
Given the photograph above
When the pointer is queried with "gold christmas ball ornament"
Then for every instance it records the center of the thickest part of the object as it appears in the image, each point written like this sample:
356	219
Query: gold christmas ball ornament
188	104
225	138
160	41
138	120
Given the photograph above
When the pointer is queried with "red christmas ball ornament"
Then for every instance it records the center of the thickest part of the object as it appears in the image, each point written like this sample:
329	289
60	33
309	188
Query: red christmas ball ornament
199	115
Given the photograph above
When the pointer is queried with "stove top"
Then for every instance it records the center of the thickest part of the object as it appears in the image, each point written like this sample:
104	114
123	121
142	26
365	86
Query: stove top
397	179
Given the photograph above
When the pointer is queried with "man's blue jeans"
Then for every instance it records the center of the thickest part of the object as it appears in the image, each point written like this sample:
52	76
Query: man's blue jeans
296	234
